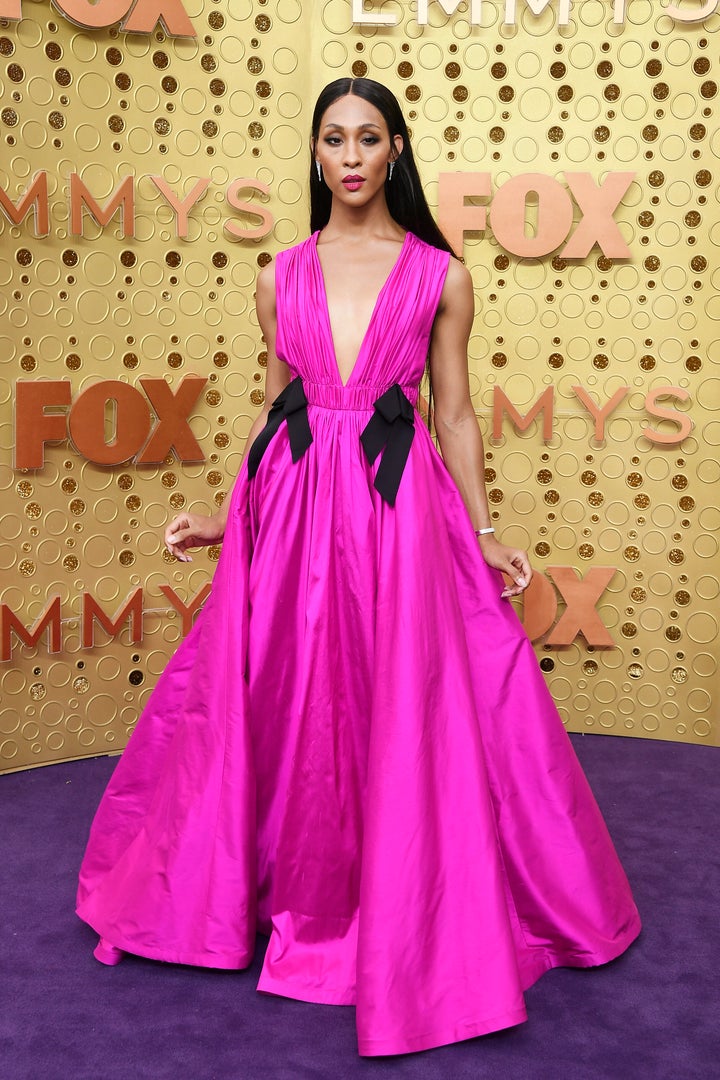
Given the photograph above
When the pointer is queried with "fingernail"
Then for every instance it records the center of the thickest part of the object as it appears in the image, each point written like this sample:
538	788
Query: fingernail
521	581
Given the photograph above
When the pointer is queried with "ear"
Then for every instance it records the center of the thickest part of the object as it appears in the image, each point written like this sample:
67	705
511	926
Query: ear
396	147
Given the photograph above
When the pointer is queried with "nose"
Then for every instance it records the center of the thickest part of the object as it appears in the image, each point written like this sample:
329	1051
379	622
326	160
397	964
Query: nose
352	153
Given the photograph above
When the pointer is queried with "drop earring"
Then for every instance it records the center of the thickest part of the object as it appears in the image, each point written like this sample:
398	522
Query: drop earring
392	166
318	166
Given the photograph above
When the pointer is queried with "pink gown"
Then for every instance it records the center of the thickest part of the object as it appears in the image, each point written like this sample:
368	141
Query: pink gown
354	751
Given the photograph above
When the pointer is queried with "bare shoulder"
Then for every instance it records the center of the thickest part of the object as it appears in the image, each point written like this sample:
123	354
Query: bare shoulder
457	293
265	297
457	277
265	304
266	283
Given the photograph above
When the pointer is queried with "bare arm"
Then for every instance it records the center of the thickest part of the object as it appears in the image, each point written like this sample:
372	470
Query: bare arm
456	424
198	530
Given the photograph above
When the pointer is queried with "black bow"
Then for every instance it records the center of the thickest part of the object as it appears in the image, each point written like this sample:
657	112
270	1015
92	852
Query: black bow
291	405
391	427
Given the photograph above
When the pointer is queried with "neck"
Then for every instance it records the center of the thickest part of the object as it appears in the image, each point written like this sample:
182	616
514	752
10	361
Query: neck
359	223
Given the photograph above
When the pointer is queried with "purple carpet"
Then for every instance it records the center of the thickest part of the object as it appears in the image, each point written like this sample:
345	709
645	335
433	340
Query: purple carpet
654	1013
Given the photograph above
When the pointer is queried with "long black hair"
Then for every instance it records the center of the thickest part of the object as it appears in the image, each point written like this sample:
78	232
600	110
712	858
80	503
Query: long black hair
404	193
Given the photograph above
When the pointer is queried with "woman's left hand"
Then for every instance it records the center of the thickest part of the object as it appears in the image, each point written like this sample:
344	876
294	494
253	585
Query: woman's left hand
511	561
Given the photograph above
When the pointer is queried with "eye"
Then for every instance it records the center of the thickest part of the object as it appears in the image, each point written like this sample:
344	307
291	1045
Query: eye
332	140
371	140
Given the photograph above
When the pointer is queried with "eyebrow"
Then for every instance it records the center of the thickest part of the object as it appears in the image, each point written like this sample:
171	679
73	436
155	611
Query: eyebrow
339	127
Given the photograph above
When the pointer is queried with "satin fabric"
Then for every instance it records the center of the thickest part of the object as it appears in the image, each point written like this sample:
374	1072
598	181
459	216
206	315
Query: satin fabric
354	750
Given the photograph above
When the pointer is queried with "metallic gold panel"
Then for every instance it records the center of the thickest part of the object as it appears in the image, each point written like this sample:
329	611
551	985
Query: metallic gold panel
230	104
531	97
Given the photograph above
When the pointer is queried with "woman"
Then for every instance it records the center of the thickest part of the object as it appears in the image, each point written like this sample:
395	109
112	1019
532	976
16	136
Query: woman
354	751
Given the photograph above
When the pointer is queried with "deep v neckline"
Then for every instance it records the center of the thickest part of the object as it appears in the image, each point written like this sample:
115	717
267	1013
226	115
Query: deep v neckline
376	305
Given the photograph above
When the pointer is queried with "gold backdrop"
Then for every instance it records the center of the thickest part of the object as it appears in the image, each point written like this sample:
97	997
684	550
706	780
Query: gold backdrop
529	96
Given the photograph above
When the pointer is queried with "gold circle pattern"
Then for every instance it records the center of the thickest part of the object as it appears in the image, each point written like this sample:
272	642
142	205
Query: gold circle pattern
590	96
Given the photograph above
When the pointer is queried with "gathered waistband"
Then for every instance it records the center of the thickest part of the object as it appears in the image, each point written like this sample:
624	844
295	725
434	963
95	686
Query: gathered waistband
388	434
351	398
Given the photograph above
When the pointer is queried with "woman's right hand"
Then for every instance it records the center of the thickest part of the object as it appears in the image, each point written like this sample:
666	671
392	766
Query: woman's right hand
191	531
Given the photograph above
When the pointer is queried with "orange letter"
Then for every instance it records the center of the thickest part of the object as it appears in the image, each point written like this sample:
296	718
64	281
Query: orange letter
132	609
182	209
581	596
455	216
129	422
33	426
600	415
536	6
172	410
509	209
147	13
501	404
369	18
691	16
597	225
94	16
10	9
49	620
123	197
36	196
684	423
539	606
186	610
266	218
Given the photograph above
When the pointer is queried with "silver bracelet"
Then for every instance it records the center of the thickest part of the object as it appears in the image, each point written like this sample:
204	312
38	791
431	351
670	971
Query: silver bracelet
483	532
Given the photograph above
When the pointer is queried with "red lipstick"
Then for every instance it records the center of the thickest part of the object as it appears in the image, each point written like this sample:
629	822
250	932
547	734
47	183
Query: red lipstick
353	182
